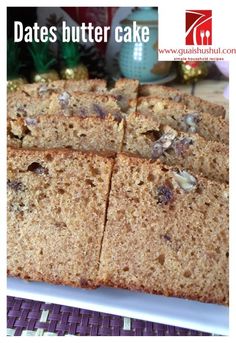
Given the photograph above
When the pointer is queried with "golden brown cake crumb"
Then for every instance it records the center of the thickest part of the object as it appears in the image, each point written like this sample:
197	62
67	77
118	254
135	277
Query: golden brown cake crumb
166	232
56	213
56	131
192	102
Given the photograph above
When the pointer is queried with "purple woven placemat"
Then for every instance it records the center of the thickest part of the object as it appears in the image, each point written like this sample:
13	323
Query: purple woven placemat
36	318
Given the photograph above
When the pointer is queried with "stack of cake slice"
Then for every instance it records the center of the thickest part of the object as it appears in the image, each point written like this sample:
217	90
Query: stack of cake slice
138	199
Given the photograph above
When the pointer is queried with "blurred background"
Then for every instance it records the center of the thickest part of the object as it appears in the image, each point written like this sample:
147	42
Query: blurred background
34	62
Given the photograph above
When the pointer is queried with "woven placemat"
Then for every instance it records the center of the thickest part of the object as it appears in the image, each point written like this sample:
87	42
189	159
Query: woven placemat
35	318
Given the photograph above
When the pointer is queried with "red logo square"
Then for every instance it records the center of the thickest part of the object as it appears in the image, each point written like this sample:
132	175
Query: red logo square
198	27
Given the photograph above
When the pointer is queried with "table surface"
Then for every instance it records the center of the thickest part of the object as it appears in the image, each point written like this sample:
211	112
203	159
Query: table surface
34	318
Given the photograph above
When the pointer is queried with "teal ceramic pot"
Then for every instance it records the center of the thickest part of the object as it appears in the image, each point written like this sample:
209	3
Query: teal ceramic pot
140	60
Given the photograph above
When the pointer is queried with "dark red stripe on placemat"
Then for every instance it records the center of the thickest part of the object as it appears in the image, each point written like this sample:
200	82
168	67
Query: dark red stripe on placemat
24	317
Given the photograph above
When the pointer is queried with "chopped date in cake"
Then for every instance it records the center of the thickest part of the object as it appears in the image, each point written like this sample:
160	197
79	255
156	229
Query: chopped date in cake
180	146
119	97
31	121
15	185
164	194
37	168
167	238
64	99
163	144
99	110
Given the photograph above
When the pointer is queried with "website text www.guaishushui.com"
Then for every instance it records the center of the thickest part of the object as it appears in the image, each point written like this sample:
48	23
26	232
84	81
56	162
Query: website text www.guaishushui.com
185	53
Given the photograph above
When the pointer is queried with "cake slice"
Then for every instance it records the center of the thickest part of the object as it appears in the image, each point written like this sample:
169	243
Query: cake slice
146	138
55	131
42	89
126	92
192	102
21	104
24	105
14	140
182	118
84	104
56	213
166	232
86	86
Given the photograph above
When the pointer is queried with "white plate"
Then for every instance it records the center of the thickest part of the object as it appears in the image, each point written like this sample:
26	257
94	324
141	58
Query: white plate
171	311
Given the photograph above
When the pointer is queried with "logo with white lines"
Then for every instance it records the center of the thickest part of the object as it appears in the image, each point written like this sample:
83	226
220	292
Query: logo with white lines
198	27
